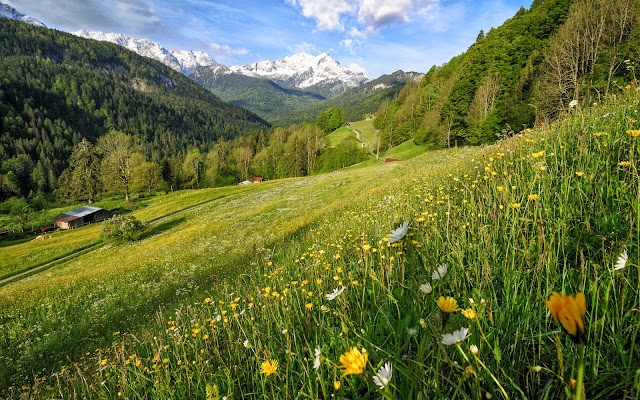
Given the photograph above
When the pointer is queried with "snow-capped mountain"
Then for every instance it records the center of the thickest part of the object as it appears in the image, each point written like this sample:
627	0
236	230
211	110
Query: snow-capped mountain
303	70
185	61
6	11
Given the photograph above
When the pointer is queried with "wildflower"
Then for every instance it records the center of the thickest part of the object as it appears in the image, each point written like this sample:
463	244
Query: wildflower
246	344
533	197
469	313
633	132
597	134
426	288
412	331
440	272
399	233
308	306
336	385
336	293
579	174
474	349
353	362
573	103
447	304
269	367
366	247
456	337
515	206
622	261
499	188
316	360
568	311
383	376
625	164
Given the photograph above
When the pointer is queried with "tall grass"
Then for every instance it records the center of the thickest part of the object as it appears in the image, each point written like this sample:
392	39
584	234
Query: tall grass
549	210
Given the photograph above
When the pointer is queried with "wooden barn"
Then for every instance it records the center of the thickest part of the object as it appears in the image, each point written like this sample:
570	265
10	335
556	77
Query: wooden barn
79	217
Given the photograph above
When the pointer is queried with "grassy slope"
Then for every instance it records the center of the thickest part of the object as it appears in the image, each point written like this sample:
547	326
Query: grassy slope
547	211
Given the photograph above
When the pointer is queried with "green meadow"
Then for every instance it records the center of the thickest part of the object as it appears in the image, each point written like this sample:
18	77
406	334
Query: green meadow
310	287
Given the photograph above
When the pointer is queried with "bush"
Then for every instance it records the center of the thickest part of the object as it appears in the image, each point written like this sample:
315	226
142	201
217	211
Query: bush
122	228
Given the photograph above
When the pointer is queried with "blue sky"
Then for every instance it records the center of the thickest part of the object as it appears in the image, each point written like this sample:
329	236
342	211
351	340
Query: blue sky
372	36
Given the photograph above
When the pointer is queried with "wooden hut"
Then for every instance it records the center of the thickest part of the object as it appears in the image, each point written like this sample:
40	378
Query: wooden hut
80	216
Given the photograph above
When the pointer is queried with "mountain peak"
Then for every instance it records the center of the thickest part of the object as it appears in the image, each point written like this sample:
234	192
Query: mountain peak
184	61
8	12
304	70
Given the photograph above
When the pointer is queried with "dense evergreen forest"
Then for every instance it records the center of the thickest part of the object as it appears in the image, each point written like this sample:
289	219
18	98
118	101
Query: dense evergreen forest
531	68
58	90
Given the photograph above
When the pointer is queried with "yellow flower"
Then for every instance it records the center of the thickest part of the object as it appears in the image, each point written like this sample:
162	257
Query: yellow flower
538	154
499	188
625	163
568	311
353	362
366	247
633	132
469	313
269	367
533	197
309	306
448	304
597	134
336	385
515	206
579	173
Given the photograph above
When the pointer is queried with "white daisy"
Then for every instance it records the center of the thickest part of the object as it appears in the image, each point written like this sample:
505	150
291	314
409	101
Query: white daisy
456	337
440	272
622	261
383	376
397	234
316	360
246	344
573	103
336	293
426	288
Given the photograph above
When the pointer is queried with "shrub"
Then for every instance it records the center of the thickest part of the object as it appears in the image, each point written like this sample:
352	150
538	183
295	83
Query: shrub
122	228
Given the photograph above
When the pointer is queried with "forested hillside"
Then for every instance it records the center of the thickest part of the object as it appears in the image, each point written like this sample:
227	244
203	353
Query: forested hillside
356	102
57	89
529	68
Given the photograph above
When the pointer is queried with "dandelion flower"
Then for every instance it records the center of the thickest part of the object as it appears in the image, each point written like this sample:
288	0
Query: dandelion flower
469	313
336	293
440	272
579	174
625	164
336	385
399	233
426	288
515	206
568	311
316	360
622	261
456	337
533	197
353	362
269	367
383	376
633	132
447	304
308	306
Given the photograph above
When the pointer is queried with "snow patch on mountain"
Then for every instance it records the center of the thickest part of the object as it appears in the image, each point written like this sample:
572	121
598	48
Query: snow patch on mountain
8	12
302	70
184	61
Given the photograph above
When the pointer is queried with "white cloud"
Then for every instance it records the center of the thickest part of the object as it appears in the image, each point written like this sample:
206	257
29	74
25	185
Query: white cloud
227	51
371	15
326	13
347	43
357	68
304	47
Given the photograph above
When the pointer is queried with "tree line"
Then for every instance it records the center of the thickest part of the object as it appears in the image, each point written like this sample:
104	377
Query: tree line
529	69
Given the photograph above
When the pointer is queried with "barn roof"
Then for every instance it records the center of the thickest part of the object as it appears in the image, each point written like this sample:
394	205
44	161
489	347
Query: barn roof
77	213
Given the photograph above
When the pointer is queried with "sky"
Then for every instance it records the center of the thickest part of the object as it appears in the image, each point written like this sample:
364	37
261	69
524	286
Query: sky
371	36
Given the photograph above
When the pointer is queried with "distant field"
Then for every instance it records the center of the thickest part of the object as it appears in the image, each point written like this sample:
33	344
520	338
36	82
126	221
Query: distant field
339	135
367	131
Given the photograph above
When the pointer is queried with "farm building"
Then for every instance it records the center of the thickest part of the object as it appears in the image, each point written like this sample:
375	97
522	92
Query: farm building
80	216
